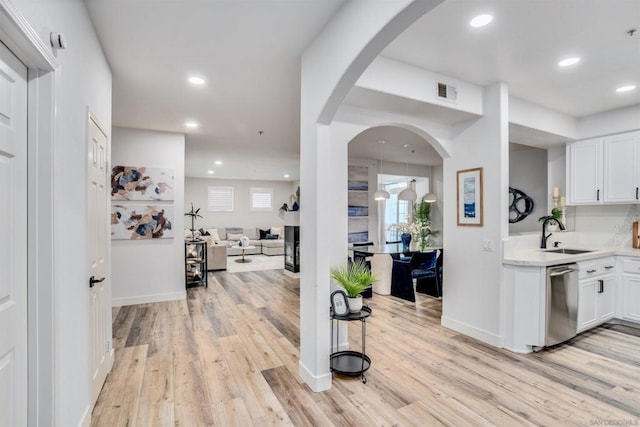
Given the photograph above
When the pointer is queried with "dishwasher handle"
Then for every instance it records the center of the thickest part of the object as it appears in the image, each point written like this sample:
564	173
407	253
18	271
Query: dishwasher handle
554	273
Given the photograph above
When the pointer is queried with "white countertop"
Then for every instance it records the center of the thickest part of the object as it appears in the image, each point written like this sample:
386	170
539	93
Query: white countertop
525	251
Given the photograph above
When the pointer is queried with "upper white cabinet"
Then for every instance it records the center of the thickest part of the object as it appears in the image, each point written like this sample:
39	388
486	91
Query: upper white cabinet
604	170
584	172
622	168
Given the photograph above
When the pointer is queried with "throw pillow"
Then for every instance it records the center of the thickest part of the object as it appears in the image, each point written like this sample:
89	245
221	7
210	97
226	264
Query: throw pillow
234	236
276	230
232	230
263	233
271	237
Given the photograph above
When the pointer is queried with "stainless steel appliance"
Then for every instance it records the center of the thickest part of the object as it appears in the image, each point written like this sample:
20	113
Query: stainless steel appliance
562	303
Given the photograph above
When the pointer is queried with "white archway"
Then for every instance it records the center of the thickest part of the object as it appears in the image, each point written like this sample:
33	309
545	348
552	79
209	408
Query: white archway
330	67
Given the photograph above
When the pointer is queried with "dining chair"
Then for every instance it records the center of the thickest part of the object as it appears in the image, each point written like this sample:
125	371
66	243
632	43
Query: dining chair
420	266
430	280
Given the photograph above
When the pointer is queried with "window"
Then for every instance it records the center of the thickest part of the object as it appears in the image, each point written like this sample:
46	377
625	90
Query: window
220	199
261	199
396	211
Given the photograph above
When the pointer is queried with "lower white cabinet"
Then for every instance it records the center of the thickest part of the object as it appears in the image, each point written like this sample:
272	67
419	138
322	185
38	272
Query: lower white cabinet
631	289
596	294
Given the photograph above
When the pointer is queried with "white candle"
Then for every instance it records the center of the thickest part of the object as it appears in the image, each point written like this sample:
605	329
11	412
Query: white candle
556	191
563	201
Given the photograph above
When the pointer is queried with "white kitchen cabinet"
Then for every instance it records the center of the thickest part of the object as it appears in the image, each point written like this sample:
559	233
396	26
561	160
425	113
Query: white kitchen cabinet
631	289
622	168
596	292
585	172
604	170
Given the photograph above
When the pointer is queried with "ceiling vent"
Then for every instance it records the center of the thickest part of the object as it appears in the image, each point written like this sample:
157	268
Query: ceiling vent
447	92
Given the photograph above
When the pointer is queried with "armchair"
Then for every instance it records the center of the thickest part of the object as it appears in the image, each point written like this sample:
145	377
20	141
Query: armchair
421	266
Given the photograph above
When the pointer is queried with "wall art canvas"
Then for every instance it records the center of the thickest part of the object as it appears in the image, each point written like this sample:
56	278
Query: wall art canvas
358	178
138	221
358	203
469	196
142	183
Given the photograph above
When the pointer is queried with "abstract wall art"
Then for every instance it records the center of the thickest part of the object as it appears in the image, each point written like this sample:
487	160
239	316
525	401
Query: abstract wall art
141	183
138	221
469	196
358	203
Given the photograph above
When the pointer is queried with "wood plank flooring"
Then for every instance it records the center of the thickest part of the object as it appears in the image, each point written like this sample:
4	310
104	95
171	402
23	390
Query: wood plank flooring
228	356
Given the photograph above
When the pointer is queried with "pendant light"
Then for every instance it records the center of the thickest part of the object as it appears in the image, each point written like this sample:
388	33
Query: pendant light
381	194
408	193
429	198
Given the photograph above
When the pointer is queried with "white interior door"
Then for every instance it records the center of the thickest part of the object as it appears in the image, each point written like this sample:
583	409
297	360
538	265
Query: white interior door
99	286
13	240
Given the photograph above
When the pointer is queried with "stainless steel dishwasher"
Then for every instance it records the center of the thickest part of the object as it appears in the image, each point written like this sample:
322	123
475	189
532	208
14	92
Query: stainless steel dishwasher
562	303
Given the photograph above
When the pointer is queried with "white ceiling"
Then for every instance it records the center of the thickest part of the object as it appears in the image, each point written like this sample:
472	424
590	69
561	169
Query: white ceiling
249	53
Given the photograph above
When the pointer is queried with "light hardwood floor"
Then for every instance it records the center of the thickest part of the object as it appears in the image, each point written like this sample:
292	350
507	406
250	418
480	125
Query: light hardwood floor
228	356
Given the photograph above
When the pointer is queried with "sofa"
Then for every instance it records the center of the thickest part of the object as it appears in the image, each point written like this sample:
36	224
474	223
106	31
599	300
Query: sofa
262	241
216	255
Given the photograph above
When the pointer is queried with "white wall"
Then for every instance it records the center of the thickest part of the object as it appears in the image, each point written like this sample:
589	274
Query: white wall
150	270
528	173
472	285
195	190
419	84
609	122
83	81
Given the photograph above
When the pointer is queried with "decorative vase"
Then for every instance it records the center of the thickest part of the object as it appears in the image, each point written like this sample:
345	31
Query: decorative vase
406	240
355	304
424	243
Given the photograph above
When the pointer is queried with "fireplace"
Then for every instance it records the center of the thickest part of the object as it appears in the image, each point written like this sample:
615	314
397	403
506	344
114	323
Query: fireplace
292	248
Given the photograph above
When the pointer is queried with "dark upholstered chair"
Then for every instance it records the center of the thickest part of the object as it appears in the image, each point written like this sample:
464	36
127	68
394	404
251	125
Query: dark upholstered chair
431	283
422	265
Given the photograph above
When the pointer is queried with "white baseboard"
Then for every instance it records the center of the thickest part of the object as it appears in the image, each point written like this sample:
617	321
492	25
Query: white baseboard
85	421
146	299
316	383
472	331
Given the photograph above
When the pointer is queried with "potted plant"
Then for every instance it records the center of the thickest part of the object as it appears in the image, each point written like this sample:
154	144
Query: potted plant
422	221
354	277
556	215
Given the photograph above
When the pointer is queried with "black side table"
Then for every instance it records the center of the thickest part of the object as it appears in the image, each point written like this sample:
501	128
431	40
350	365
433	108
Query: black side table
350	362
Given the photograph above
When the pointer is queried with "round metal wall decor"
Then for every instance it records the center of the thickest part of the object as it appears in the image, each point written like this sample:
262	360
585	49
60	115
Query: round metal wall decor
520	205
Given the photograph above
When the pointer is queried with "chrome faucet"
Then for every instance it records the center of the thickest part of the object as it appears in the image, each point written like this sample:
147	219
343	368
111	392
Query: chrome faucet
545	236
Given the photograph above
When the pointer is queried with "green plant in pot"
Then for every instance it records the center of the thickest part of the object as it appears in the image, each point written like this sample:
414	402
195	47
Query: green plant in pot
354	277
556	216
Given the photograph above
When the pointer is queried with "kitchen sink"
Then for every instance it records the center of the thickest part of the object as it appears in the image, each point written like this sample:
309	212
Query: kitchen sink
568	251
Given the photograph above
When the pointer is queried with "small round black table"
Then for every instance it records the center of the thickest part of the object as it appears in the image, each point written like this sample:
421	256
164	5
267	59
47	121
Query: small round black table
350	362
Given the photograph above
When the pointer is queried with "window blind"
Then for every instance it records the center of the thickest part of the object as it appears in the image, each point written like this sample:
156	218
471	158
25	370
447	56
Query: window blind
220	199
261	199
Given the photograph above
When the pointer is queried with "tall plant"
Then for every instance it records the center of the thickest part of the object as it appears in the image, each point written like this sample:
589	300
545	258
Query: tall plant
422	219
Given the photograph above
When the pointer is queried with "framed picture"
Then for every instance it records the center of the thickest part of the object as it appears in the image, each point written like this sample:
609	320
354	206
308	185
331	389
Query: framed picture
339	303
469	196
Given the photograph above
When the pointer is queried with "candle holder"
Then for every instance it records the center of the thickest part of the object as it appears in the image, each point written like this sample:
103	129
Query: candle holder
556	201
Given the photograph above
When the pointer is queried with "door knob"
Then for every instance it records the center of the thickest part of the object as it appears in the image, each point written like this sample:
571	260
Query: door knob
93	281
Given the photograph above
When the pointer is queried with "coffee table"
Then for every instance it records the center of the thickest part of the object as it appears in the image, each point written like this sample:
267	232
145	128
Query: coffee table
244	248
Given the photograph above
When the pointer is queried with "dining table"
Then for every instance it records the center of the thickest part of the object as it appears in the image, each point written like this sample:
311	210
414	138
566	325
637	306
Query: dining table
381	257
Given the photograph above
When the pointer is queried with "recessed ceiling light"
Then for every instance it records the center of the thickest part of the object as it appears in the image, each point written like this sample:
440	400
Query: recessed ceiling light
569	61
405	145
286	175
195	80
210	172
481	20
191	125
626	88
218	162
